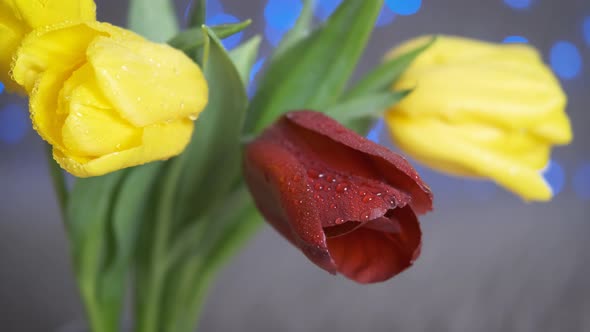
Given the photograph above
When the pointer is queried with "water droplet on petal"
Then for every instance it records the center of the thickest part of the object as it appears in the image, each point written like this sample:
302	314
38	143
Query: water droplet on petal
342	187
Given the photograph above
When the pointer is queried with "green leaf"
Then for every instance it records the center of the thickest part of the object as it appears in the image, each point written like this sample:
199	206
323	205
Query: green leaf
193	38
87	220
213	158
153	19
382	77
301	29
200	251
366	106
198	13
244	57
313	73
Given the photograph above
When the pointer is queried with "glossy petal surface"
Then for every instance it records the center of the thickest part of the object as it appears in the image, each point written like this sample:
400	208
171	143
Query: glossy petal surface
337	196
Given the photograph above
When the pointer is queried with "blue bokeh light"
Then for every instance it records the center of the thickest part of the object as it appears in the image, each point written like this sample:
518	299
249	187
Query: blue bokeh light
376	130
565	59
325	8
582	181
404	7
386	17
282	14
586	29
14	123
1	87
515	40
256	68
519	4
224	18
554	174
273	36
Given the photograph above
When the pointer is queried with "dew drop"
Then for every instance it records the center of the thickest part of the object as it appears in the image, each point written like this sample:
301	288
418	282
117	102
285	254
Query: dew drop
342	187
363	193
339	221
318	186
333	206
367	199
313	173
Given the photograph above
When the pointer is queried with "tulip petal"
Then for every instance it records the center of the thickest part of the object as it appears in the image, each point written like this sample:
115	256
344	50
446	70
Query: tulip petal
394	167
37	13
159	142
43	104
473	93
466	158
370	255
271	170
124	69
11	33
313	188
92	127
61	47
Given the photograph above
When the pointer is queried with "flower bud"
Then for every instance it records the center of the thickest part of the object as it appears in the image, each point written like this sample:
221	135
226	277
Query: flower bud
481	110
105	98
347	203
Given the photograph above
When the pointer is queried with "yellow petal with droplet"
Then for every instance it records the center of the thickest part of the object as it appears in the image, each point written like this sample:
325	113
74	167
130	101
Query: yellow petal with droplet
61	47
148	82
92	127
43	104
11	33
37	13
159	142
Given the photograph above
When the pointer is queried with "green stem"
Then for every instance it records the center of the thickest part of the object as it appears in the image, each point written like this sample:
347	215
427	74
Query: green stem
59	182
149	318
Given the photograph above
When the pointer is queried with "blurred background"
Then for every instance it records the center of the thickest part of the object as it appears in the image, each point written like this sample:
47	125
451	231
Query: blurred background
490	262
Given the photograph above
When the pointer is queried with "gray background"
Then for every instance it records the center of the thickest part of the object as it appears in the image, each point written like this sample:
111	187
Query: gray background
489	263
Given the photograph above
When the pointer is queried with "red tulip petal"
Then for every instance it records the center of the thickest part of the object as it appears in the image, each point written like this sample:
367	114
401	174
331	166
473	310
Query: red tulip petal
396	170
314	181
276	179
369	254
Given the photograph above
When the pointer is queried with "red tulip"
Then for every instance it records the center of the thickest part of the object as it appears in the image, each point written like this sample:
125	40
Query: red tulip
349	204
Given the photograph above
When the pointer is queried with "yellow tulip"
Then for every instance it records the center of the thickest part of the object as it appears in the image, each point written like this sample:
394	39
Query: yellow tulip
481	110
102	96
19	17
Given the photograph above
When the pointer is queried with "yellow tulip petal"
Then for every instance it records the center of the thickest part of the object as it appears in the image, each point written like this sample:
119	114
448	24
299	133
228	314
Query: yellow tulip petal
433	145
61	47
37	13
159	142
11	33
494	94
92	127
43	105
147	82
450	49
556	128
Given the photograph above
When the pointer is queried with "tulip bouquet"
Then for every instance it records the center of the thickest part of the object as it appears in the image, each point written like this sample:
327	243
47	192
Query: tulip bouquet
176	167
